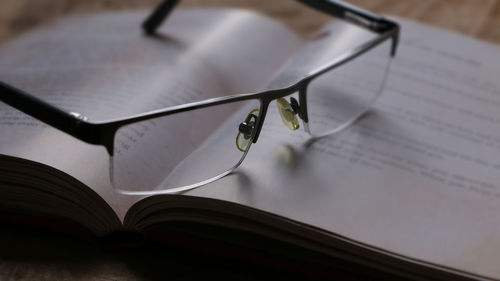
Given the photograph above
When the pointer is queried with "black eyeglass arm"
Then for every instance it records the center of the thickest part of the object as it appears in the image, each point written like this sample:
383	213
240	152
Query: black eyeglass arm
335	8
352	14
156	18
50	115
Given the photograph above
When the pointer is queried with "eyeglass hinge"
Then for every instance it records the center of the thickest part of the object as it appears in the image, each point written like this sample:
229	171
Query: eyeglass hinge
78	130
374	25
79	116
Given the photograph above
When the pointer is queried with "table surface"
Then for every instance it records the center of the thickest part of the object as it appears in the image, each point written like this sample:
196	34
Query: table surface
477	18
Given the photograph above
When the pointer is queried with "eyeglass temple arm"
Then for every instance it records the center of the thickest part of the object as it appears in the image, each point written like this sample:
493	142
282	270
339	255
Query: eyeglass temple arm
336	8
351	14
358	17
50	115
156	18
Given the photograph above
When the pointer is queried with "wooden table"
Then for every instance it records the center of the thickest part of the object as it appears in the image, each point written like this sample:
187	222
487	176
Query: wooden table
53	257
478	18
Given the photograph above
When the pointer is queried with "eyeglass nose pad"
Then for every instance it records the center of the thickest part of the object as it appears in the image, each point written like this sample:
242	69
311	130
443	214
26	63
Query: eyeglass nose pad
288	113
245	131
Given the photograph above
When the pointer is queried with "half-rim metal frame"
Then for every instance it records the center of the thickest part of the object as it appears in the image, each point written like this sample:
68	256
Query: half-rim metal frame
103	133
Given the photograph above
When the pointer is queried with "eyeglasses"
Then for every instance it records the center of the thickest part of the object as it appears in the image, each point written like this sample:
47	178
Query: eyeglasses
155	152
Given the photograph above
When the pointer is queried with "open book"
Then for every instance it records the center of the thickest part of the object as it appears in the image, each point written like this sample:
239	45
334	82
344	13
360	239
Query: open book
411	189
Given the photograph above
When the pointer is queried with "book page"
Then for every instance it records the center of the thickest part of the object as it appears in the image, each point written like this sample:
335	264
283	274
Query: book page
104	67
418	176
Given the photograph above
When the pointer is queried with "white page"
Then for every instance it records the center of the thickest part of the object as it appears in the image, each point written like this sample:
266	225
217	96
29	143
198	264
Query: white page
105	67
418	176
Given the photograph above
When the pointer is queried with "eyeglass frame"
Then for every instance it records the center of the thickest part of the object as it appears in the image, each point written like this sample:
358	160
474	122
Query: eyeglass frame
103	133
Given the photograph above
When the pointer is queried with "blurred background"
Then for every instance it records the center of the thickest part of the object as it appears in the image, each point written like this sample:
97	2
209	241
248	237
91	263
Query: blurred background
478	18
